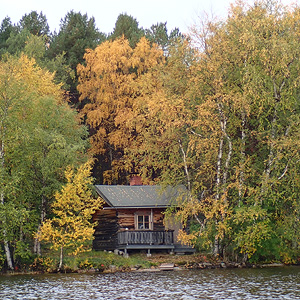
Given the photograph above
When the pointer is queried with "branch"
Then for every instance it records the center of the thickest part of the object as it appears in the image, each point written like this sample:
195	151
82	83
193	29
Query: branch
284	171
195	133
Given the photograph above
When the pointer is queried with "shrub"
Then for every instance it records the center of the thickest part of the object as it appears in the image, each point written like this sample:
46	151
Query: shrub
43	264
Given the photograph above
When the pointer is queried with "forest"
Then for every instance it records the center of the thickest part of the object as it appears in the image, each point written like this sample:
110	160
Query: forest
217	111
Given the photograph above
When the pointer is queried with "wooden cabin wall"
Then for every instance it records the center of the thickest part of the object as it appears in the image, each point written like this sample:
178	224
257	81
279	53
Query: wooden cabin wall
158	219
110	221
126	218
106	230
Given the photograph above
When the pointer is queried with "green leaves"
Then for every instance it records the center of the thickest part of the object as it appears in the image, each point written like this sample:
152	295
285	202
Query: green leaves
77	33
39	137
252	229
35	23
127	27
224	120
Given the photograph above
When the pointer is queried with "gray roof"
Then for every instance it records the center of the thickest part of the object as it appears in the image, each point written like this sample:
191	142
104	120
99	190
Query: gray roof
141	196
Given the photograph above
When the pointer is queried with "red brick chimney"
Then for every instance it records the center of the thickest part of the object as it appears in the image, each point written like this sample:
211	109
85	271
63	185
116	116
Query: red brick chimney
136	180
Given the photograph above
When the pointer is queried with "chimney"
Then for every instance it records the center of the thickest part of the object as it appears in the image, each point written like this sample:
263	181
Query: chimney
136	180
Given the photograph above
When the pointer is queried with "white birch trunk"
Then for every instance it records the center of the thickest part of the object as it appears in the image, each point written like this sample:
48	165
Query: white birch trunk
243	159
5	241
60	259
221	178
223	125
227	162
219	164
186	170
216	247
7	252
6	103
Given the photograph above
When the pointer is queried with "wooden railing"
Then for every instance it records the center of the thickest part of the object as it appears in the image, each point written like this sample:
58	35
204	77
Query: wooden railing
145	237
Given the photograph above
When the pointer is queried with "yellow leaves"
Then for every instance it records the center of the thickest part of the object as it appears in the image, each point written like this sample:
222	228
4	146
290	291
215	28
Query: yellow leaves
38	80
107	68
263	36
33	79
187	239
73	207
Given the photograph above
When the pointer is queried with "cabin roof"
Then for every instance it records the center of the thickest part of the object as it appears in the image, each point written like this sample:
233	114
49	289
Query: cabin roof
143	196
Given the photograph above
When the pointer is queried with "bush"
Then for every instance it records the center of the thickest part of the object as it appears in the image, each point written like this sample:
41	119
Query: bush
43	264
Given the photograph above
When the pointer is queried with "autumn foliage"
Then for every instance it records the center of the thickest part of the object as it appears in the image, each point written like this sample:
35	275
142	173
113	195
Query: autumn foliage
217	111
70	229
223	119
107	85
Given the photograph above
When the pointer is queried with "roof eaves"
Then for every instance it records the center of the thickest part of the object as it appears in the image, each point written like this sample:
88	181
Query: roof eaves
144	206
104	198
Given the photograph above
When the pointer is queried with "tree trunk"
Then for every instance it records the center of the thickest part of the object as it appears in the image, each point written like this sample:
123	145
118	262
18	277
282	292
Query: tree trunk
7	252
228	159
243	160
219	163
6	245
37	243
5	241
223	125
271	156
216	246
186	170
60	259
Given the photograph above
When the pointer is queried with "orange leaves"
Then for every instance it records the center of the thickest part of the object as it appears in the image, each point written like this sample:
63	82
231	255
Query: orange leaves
146	57
108	83
105	81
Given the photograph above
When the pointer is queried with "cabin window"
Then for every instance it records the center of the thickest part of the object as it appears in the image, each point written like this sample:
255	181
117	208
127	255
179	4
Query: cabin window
143	221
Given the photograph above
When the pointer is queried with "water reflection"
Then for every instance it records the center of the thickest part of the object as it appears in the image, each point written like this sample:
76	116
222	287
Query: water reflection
270	283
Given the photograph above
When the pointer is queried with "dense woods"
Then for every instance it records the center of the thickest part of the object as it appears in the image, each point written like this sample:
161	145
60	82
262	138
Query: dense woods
217	111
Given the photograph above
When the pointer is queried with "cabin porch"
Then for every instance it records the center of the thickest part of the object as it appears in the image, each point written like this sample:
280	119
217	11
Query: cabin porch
145	237
145	240
149	240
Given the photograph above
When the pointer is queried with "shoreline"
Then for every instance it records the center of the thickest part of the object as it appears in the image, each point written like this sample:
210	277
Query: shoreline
113	269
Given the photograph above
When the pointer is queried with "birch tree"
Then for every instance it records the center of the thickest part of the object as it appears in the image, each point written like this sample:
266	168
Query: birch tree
238	135
39	137
10	93
71	228
247	80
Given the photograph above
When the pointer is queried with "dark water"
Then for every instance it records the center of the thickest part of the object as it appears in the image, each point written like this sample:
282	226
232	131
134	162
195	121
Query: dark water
268	283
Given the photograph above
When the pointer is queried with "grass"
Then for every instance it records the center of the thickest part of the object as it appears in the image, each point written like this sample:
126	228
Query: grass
90	261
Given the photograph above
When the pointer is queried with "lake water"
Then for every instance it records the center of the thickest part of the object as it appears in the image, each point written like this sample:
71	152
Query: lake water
267	283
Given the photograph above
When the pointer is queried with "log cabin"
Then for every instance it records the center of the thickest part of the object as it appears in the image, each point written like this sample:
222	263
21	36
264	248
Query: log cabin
132	218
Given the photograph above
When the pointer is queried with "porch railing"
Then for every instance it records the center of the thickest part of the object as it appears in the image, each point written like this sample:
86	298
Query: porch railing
145	237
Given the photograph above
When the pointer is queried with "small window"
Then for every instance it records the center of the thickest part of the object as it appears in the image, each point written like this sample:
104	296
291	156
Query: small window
143	222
